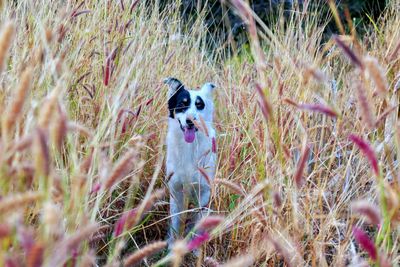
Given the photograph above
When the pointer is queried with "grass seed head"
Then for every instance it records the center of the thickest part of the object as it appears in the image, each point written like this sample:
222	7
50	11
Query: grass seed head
15	202
354	58
367	150
52	218
13	111
368	210
144	252
41	153
179	250
240	261
81	235
231	185
363	240
6	38
301	166
59	128
123	167
365	106
377	74
281	249
209	223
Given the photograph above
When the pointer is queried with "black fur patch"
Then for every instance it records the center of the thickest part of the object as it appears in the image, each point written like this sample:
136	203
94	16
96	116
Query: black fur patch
199	103
179	102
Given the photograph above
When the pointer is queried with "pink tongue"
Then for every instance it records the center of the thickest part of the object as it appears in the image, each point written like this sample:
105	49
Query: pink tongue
189	135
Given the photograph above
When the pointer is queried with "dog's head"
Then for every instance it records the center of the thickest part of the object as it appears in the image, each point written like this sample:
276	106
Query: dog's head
187	106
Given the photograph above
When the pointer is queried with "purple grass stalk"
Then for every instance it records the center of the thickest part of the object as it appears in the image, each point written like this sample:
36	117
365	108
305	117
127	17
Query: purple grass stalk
132	217
205	175
107	71
209	223
199	240
363	240
367	150
213	145
277	199
298	176
76	14
370	211
319	108
121	2
264	104
133	5
355	60
122	221
96	188
77	8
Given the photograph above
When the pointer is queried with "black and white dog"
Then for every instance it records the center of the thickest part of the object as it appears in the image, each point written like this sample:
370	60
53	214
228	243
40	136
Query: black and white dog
188	149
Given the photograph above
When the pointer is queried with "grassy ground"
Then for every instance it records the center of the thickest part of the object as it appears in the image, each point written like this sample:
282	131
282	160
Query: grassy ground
308	139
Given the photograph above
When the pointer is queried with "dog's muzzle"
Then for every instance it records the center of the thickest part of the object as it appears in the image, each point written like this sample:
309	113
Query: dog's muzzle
189	131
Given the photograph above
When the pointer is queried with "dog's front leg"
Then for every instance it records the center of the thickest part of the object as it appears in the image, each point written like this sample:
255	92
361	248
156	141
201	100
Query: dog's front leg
176	207
203	198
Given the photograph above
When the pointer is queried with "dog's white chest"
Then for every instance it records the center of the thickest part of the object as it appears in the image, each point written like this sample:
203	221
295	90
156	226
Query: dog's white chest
184	159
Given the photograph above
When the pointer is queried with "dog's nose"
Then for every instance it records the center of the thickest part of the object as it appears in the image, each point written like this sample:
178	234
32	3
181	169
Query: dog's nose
190	123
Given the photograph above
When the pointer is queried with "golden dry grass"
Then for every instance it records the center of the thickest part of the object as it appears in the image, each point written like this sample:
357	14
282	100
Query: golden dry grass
308	138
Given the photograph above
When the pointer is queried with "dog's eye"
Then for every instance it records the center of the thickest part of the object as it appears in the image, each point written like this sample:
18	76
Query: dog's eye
199	103
183	104
180	107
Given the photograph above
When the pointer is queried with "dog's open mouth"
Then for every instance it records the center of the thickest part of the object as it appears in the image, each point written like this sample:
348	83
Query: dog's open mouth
189	131
189	134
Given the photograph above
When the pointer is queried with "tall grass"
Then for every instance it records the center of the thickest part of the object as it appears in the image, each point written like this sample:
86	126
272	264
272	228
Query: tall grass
308	138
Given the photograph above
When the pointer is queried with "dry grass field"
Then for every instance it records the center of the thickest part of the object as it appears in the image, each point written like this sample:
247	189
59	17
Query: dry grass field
308	138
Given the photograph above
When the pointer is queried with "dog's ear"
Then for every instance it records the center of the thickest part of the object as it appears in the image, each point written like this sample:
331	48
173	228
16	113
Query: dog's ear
208	89
174	85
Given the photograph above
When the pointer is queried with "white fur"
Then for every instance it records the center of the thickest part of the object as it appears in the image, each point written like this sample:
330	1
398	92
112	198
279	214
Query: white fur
187	184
